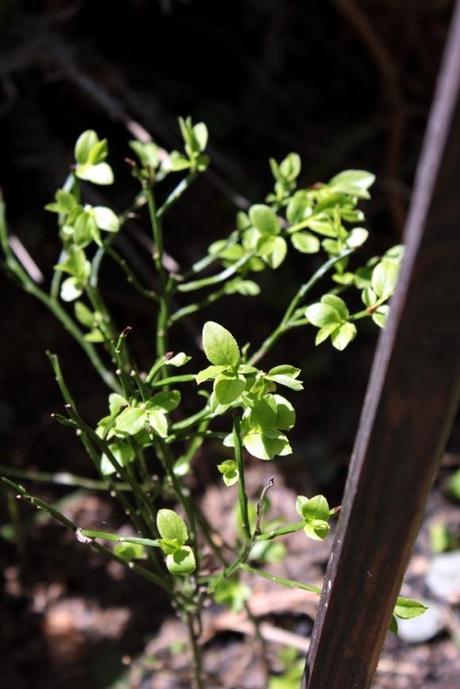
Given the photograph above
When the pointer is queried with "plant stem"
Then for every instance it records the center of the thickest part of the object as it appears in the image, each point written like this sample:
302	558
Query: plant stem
285	324
197	669
165	284
61	478
91	439
177	193
156	232
130	275
184	378
289	583
242	497
65	521
193	308
215	279
283	531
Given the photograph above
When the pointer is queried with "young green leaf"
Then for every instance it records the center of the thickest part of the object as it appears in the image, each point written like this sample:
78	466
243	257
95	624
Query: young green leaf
267	443
357	237
227	388
315	513
209	373
83	314
85	143
130	551
337	303
179	359
305	242
168	400
313	508
353	182
273	250
264	219
322	314
343	335
231	593
98	174
285	413
219	345
380	316
71	289
285	375
131	420
229	470
290	167
384	278
123	453
171	527
263	413
148	153
106	219
407	608
116	403
324	332
201	134
181	562
158	421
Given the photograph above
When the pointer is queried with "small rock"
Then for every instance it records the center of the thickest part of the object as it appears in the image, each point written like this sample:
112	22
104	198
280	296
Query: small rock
443	576
423	628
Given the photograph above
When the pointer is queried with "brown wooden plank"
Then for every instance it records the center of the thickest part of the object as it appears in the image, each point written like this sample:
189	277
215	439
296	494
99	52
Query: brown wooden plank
412	396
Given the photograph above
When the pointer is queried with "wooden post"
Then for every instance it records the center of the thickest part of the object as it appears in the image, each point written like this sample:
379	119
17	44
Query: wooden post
412	396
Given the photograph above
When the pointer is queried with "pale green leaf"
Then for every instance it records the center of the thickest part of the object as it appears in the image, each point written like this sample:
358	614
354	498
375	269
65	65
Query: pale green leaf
83	314
285	413
305	242
312	508
70	289
231	593
407	608
357	237
353	182
322	314
201	134
267	444
85	143
285	375
343	335
179	359
181	562
98	174
159	422
229	470
209	373
264	219
116	403
384	278
228	388
106	219
290	167
380	316
167	400
219	345
130	551
337	303
171	527
324	332
131	421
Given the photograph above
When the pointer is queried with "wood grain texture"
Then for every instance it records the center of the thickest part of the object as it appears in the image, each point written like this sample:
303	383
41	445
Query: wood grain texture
412	396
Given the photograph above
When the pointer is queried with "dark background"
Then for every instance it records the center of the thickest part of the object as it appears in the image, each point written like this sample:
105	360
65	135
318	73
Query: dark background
345	84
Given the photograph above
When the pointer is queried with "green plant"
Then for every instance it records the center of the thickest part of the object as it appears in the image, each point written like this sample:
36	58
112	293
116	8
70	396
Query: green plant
142	449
